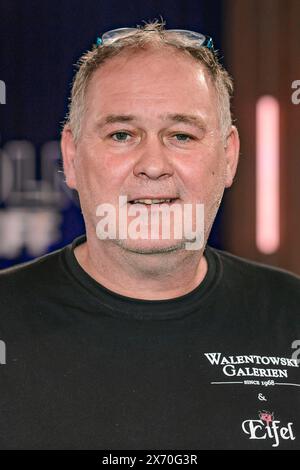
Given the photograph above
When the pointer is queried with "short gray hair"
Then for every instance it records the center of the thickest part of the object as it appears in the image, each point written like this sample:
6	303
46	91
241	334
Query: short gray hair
90	61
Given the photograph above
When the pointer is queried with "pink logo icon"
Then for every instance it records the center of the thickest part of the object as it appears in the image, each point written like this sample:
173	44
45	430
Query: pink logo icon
266	416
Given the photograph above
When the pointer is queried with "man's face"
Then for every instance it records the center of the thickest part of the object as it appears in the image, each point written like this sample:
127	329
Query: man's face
156	151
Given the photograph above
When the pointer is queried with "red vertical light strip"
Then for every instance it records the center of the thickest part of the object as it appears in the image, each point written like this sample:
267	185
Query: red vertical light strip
267	175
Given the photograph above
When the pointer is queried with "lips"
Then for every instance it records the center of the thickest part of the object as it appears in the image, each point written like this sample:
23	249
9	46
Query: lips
149	200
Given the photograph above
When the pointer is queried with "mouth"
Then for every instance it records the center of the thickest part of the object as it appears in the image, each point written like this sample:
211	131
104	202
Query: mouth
153	201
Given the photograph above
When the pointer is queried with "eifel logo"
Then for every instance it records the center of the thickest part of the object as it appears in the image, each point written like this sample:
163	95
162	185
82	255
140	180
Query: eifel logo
266	427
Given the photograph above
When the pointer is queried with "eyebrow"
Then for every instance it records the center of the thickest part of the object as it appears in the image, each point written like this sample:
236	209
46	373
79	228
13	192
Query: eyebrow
190	119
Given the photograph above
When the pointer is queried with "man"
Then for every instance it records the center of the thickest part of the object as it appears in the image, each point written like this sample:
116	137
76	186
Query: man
125	342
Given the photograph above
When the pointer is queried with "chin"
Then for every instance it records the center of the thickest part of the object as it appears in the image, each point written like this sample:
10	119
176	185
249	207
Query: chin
152	246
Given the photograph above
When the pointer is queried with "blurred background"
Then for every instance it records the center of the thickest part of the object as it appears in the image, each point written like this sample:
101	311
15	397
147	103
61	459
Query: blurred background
259	43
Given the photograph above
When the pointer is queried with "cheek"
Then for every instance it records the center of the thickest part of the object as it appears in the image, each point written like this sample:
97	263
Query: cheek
204	178
99	174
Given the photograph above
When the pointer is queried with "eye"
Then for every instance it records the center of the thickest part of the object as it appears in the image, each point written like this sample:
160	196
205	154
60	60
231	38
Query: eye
120	136
183	137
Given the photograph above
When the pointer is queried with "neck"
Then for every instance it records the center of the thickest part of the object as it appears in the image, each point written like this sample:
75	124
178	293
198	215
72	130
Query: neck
158	276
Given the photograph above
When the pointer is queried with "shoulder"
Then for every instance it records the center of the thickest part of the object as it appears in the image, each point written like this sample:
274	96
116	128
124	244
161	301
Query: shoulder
268	296
27	289
249	266
31	273
258	278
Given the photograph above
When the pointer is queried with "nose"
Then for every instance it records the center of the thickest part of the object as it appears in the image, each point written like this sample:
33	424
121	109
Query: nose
153	162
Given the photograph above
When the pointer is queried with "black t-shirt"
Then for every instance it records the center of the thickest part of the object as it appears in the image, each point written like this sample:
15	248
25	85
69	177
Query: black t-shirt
87	368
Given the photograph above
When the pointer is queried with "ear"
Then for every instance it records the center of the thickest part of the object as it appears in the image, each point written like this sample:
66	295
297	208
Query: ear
68	150
232	150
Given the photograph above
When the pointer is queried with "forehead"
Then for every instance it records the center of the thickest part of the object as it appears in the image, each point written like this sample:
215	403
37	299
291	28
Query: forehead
150	79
